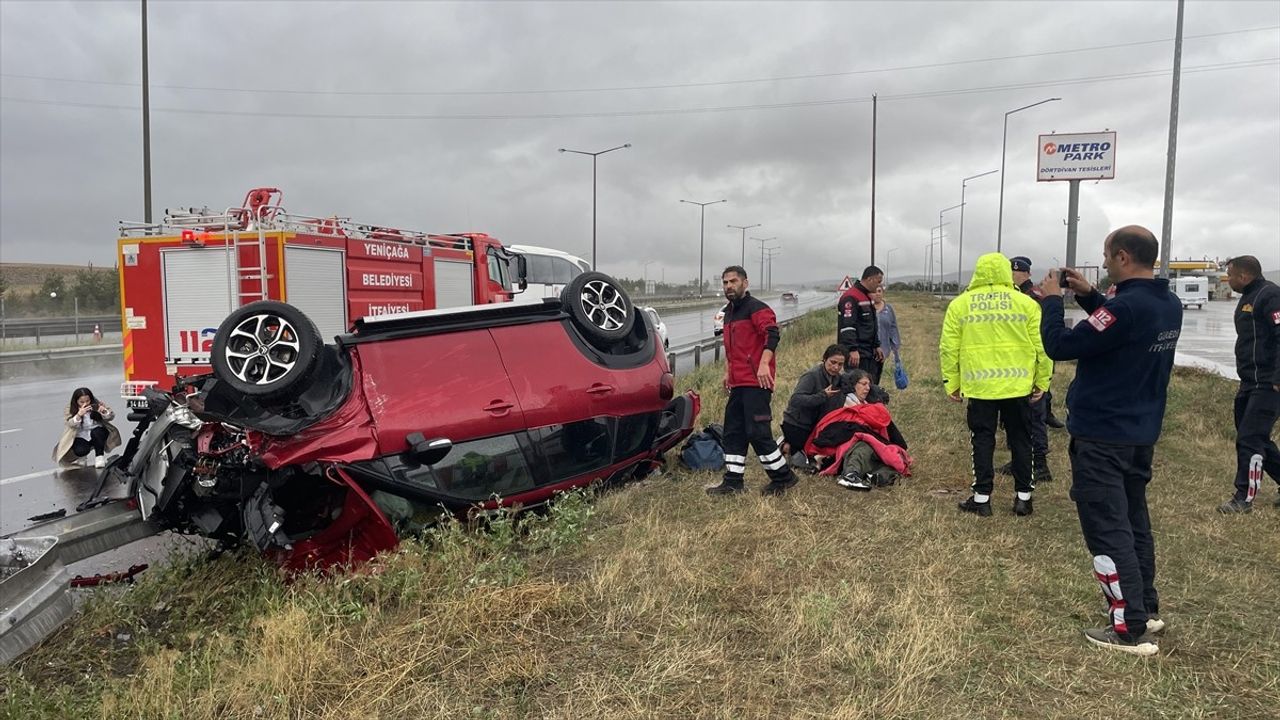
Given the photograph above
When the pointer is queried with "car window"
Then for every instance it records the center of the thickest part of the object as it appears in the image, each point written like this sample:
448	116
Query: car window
498	270
576	448
540	269
565	271
479	469
635	433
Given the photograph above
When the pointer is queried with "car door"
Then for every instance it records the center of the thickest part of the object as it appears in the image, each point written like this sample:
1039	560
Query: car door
452	385
557	383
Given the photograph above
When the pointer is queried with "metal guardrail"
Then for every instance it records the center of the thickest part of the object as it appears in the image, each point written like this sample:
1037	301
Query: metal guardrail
713	347
69	353
42	327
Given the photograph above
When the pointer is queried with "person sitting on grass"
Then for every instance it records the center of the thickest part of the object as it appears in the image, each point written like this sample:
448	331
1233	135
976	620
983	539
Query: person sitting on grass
858	442
813	391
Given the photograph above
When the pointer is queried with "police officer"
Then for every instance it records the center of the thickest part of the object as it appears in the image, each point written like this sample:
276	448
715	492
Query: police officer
991	355
857	326
1257	403
1039	410
1124	352
750	339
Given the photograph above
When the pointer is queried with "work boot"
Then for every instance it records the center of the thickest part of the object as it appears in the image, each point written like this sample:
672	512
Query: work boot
1108	638
1022	508
778	487
1006	469
1040	469
1053	422
1235	507
727	487
855	481
980	509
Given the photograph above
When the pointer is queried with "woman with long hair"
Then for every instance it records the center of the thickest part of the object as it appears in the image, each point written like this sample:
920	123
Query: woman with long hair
858	442
87	427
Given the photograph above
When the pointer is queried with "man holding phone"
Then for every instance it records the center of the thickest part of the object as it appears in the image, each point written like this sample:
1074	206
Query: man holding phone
1124	352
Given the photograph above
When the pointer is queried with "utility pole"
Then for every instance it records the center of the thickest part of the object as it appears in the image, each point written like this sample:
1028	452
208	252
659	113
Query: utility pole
1166	227
762	241
873	179
702	236
744	229
146	124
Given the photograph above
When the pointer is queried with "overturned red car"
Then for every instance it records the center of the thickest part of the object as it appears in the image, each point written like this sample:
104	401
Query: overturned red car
320	454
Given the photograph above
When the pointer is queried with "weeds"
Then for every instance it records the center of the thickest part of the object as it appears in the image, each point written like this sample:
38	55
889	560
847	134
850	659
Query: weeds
657	601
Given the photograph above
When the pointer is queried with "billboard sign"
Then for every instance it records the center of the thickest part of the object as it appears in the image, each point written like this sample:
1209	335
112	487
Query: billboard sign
1077	156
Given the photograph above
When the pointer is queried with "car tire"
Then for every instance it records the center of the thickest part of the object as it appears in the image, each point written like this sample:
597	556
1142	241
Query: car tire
600	308
267	350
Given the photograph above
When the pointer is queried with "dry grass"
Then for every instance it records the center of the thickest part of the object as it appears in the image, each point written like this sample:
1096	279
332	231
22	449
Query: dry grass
656	601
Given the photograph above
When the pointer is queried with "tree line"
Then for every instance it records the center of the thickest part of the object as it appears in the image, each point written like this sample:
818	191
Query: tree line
96	292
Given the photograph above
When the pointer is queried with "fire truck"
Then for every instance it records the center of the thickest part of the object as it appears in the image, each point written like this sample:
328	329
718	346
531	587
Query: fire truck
180	277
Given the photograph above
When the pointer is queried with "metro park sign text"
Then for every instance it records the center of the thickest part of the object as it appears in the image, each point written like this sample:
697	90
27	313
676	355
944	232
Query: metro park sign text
1077	156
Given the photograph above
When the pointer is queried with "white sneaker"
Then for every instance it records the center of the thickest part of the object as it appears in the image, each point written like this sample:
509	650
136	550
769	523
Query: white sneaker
100	461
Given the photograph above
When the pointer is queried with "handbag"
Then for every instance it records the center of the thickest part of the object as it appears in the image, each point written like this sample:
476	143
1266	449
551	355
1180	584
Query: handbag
899	372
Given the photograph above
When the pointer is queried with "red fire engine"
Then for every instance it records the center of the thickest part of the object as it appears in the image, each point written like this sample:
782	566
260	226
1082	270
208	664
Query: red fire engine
179	278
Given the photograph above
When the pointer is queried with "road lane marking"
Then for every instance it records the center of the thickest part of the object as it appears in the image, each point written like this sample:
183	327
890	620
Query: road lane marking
28	476
2	432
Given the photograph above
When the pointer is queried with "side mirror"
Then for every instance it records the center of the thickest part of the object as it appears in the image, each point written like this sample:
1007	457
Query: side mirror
428	452
522	272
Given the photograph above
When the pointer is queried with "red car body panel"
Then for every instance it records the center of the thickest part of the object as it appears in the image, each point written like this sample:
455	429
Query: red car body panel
360	532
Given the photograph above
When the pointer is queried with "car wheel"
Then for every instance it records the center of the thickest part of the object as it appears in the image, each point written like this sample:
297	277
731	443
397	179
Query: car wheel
599	307
266	350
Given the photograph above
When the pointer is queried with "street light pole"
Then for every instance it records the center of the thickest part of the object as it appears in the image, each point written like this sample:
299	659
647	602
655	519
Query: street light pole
1004	142
645	272
744	229
762	241
960	258
594	155
942	249
146	124
702	236
768	285
888	258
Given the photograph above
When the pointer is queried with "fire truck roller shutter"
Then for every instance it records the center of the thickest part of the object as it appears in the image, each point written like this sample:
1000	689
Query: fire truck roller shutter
454	284
315	283
197	296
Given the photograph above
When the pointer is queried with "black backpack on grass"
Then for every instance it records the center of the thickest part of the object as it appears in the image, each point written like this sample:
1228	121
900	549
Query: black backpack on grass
703	451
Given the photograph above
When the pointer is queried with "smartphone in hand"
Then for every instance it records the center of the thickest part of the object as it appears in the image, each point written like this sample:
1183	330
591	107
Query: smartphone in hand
1063	280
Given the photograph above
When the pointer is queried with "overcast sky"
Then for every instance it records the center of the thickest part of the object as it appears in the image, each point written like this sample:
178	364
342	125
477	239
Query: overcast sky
424	116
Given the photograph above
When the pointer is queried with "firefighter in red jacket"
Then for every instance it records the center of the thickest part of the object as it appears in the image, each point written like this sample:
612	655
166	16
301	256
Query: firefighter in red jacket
750	338
857	327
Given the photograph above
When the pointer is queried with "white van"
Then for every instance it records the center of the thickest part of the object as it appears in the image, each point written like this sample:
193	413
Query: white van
548	271
1192	291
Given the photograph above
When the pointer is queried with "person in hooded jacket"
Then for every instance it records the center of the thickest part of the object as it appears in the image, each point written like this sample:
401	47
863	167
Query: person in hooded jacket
992	356
858	441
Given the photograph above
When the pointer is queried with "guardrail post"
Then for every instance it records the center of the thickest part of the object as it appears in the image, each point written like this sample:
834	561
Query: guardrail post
697	356
717	349
671	362
37	335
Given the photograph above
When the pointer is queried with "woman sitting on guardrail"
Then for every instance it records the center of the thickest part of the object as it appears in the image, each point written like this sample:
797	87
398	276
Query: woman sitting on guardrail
87	427
858	442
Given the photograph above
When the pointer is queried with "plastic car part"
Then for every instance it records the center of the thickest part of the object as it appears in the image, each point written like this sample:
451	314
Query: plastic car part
266	350
599	306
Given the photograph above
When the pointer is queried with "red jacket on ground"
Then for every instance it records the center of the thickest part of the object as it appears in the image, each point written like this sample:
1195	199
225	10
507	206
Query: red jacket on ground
872	415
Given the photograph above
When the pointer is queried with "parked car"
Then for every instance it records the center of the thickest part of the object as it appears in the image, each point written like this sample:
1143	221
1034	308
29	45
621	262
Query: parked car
790	298
322	454
718	321
659	327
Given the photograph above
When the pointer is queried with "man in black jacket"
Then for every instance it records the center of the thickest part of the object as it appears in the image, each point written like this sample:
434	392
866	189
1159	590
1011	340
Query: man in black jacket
815	387
1257	319
1124	352
857	327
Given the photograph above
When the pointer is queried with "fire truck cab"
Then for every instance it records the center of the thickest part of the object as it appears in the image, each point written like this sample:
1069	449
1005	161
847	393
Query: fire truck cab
180	277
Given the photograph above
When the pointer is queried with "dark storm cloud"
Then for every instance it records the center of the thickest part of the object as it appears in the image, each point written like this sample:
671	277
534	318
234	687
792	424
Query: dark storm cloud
68	173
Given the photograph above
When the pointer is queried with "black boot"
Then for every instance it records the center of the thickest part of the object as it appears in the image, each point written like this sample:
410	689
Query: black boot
1040	469
727	487
1053	422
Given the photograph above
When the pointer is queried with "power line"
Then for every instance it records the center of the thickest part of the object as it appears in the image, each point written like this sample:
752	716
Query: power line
1262	62
627	88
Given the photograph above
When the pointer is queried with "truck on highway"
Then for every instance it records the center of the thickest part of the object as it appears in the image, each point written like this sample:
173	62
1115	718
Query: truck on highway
1192	291
180	277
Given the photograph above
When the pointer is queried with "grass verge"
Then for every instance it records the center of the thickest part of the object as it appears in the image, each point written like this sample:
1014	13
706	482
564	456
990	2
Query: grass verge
657	601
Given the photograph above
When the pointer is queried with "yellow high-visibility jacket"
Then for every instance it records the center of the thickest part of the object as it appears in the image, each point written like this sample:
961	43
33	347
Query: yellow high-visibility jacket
990	347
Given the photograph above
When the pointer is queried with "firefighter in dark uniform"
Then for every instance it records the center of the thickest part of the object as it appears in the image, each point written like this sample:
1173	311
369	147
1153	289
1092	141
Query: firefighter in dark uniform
857	327
1257	403
1124	352
750	339
1039	410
